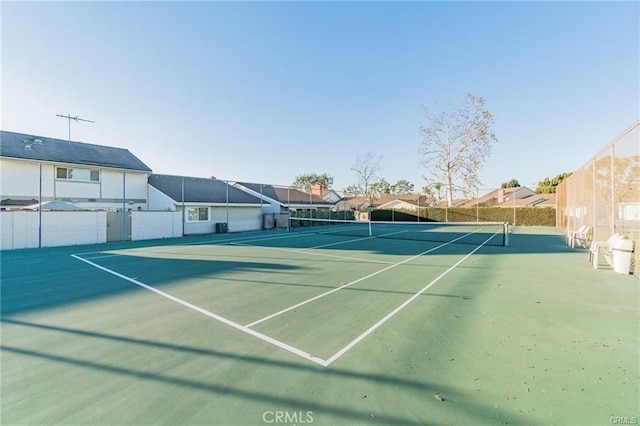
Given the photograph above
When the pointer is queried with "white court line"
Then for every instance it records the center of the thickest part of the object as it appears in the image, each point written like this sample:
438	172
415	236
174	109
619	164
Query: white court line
399	308
194	243
242	244
304	302
335	244
103	256
282	345
223	320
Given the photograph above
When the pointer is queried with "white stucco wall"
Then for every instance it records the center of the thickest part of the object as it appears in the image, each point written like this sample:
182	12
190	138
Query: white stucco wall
159	201
135	184
72	228
72	189
20	179
20	229
240	218
151	225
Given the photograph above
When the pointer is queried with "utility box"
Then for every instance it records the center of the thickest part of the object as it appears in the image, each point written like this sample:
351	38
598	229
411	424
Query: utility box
221	228
621	256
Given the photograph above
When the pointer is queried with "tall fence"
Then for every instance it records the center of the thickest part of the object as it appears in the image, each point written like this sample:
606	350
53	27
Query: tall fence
605	192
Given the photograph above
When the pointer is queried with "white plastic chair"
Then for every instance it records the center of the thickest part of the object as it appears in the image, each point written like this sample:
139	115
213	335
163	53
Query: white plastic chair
582	237
572	234
602	248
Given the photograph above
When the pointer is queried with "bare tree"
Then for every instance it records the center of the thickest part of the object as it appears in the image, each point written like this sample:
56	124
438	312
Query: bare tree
455	145
366	168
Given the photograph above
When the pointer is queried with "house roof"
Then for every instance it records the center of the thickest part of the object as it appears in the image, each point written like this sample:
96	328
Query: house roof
56	205
200	190
363	202
550	201
360	203
493	197
413	199
285	195
536	200
38	148
17	203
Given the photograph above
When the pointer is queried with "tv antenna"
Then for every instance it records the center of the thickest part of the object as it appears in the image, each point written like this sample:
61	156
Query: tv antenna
77	119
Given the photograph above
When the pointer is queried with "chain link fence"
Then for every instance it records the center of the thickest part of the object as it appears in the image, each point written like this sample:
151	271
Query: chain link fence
605	192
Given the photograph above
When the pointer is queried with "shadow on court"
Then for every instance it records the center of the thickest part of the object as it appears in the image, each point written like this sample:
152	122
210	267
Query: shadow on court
340	413
37	279
504	339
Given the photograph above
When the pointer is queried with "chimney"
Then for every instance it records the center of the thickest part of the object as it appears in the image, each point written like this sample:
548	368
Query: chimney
501	197
316	190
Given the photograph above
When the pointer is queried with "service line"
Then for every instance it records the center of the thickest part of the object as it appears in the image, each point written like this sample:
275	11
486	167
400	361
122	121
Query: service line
302	250
402	306
223	320
304	302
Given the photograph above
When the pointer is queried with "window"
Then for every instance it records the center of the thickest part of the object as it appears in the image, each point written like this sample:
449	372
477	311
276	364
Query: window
198	214
78	174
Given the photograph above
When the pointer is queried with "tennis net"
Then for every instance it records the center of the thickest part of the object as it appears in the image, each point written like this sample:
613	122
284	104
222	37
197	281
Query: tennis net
490	233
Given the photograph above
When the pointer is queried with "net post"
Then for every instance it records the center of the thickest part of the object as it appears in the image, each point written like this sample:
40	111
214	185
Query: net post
505	235
370	230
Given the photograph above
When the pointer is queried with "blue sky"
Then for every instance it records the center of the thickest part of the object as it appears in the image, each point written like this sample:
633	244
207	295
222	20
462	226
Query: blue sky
267	91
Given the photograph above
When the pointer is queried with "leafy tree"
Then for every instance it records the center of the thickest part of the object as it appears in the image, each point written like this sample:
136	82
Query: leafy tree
548	186
380	188
626	178
402	187
513	183
456	143
434	189
351	191
306	181
367	167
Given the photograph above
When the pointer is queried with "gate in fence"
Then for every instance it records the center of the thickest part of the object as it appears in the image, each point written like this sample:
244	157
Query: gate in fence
118	226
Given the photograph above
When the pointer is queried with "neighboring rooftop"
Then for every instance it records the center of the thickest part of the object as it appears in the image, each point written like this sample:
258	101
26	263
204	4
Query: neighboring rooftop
285	195
200	190
40	148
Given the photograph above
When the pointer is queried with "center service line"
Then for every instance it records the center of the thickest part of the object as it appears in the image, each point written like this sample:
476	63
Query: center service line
304	302
399	308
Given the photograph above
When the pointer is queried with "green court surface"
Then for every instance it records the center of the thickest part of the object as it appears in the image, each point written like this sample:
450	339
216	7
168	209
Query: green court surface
287	328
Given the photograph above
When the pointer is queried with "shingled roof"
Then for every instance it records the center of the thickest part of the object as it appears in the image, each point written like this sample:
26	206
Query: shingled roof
286	196
200	190
39	148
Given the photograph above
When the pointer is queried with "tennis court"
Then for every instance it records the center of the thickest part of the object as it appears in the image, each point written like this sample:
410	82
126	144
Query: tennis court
318	327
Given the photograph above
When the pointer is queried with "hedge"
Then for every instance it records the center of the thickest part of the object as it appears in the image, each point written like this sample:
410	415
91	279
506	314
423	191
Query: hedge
521	216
